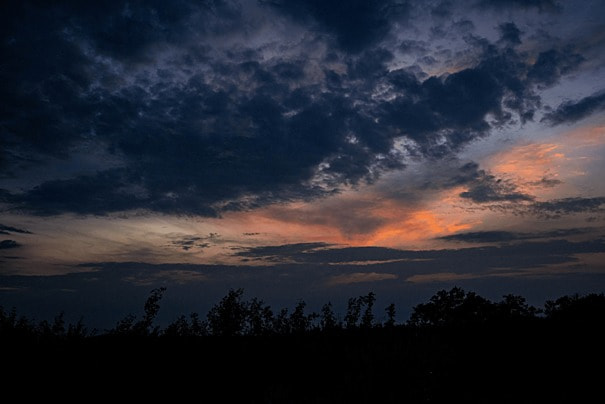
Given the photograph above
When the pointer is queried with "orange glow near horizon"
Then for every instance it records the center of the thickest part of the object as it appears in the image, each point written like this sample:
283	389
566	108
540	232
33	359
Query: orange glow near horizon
418	226
369	218
389	222
370	215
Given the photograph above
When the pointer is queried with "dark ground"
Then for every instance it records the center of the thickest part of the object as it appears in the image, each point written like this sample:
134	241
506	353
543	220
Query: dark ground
525	362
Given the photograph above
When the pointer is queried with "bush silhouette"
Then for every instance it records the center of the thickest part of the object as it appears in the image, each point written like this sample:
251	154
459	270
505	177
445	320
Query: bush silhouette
144	328
235	316
457	346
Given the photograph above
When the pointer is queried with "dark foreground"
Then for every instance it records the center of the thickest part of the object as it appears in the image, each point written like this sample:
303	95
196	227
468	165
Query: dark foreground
516	363
438	356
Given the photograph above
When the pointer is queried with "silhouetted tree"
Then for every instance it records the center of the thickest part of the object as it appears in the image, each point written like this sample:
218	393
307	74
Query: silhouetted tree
182	327
12	325
513	306
390	309
178	328
77	330
124	326
128	326
260	318
367	319
299	322
328	318
228	317
587	309
451	307
198	327
353	312
152	307
281	324
234	316
56	329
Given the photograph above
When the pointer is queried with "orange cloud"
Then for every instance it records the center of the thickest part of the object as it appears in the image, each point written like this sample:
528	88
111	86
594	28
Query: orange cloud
528	163
363	219
559	162
417	226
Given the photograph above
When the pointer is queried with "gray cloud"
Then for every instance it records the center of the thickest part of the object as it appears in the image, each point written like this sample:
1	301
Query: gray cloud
495	193
540	5
526	254
570	112
486	188
6	244
200	126
280	252
10	229
356	24
499	236
552	64
546	182
510	34
566	206
189	242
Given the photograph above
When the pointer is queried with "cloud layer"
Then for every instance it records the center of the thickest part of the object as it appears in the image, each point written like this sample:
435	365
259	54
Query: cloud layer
190	117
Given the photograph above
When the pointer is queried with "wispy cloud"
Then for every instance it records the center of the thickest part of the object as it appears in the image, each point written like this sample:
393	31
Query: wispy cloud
360	277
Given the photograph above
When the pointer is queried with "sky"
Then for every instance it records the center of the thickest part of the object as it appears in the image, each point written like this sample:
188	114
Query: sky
300	149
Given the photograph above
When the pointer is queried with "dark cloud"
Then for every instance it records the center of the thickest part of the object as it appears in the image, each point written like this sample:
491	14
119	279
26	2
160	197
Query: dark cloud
187	243
441	115
540	5
500	194
356	24
528	254
188	149
51	55
463	26
496	236
442	9
40	63
486	188
103	193
570	112
280	252
370	63
202	128
127	31
567	206
546	182
552	64
413	46
10	229
6	244
510	34
190	242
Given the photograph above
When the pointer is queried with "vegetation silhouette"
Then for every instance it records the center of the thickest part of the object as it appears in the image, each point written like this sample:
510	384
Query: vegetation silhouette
457	346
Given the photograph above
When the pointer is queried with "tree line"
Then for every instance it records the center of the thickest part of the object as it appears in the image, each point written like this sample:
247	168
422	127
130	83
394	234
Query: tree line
235	316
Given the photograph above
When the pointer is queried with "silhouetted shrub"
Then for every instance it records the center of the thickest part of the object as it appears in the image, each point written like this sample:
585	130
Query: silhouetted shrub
452	307
128	327
391	312
328	320
228	317
587	309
